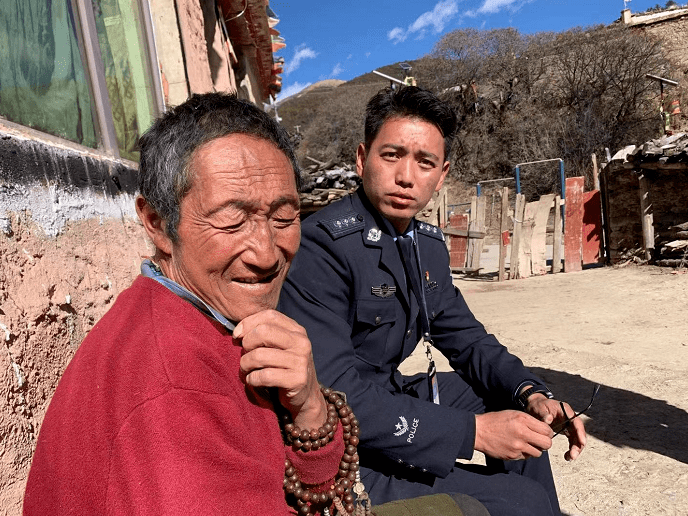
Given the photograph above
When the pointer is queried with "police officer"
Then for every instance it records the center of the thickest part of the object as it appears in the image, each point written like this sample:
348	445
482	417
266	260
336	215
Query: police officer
369	282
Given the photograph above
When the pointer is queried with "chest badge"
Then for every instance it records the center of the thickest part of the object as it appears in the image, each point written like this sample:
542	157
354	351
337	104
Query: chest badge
374	234
383	290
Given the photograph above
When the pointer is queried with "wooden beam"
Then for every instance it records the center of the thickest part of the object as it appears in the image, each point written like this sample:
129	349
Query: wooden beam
538	243
595	174
646	217
503	228
514	272
464	233
556	242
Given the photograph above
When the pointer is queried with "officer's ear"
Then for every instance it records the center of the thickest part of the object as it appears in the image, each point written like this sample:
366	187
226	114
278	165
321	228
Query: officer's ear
445	171
360	159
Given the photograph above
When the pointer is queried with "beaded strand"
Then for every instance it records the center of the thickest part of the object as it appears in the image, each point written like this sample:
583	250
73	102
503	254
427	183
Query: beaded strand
339	493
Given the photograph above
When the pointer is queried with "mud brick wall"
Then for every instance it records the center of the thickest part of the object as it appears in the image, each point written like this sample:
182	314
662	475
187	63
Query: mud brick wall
69	244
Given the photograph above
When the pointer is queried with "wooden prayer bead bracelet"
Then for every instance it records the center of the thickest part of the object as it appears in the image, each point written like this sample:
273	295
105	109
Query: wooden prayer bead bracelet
339	493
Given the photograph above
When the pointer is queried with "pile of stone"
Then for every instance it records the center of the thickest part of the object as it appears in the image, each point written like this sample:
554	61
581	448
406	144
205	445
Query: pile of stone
664	150
324	183
674	251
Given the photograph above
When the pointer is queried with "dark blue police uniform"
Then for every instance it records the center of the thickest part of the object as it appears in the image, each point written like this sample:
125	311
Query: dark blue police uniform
347	287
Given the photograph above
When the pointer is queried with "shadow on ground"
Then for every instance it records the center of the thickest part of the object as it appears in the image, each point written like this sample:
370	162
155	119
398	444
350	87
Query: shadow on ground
624	418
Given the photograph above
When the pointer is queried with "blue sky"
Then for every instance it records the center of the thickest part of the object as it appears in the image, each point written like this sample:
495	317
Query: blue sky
347	38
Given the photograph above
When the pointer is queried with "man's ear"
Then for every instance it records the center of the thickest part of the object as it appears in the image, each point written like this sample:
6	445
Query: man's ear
360	159
445	171
154	225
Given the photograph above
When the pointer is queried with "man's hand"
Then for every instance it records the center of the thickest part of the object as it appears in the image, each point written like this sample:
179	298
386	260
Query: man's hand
511	435
550	412
277	353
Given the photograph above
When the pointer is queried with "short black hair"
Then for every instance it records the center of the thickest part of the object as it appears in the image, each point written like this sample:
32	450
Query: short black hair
168	147
409	102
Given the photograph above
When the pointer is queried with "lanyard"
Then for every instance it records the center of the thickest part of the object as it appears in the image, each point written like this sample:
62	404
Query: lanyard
410	253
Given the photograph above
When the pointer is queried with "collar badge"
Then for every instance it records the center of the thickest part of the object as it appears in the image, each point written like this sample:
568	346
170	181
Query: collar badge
374	234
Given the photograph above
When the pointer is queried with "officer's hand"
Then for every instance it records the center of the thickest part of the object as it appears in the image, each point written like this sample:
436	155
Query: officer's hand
511	435
277	353
551	412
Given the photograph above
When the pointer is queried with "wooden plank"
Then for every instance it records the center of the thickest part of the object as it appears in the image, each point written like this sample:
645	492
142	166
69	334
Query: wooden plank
573	225
592	227
538	243
516	239
556	242
503	228
458	244
472	226
525	251
441	211
479	227
595	172
464	233
646	217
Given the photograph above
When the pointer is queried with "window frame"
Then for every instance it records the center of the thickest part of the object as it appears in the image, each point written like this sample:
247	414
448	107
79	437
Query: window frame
88	42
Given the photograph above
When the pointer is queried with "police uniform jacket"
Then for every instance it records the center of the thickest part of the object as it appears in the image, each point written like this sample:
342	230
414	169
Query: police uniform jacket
347	287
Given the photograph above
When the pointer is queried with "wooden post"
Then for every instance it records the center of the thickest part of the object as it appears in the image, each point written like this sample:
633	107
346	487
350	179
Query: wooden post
647	217
477	226
556	244
525	249
516	240
503	229
595	174
539	241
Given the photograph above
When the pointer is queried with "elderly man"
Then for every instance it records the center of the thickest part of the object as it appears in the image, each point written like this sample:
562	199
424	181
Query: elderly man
369	282
165	408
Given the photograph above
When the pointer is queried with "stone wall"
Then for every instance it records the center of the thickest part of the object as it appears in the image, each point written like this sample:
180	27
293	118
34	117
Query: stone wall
667	194
672	32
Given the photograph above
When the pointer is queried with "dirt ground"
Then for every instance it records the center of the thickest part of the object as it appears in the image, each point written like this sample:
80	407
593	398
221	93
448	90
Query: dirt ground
625	328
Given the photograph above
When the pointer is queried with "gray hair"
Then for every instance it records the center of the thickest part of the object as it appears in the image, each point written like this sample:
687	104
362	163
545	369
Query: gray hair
168	147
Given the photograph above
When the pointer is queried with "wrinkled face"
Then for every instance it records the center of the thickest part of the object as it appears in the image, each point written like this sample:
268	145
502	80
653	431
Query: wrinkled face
403	168
239	226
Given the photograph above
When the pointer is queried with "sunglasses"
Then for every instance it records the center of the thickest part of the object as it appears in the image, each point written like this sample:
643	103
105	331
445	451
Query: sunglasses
566	423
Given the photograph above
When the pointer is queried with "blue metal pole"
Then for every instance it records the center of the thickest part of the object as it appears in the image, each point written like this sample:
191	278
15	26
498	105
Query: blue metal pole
518	179
478	189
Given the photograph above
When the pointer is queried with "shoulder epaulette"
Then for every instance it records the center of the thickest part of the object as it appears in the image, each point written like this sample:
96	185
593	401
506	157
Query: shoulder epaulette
430	230
343	225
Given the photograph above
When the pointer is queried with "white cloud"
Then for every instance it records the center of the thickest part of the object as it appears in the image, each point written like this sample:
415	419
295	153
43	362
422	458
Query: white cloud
437	20
302	52
495	6
292	89
337	70
350	56
367	54
396	35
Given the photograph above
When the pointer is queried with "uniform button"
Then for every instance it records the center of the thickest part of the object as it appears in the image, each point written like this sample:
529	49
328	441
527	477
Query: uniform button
408	334
424	470
378	320
360	217
433	315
